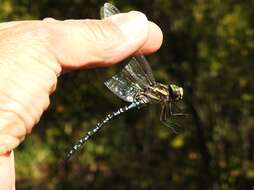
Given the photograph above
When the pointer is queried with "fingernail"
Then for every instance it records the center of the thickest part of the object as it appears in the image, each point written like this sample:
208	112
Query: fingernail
133	24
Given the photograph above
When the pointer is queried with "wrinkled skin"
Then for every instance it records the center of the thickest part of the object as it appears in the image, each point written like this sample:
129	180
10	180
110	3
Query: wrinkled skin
33	54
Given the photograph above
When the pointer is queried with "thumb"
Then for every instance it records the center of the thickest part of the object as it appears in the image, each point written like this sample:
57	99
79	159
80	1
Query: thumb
91	43
7	171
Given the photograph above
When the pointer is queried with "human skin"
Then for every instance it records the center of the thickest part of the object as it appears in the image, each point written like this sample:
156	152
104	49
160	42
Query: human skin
33	54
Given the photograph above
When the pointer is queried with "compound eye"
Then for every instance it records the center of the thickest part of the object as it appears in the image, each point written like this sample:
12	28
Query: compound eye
181	92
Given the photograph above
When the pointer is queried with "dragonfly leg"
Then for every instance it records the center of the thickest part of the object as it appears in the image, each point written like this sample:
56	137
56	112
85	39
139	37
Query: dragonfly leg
140	97
172	126
163	115
167	110
176	114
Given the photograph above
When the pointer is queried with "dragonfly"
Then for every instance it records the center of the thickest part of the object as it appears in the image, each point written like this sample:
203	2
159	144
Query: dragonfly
135	84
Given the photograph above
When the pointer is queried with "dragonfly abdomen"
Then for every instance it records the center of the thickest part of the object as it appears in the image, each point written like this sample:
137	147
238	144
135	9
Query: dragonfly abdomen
99	125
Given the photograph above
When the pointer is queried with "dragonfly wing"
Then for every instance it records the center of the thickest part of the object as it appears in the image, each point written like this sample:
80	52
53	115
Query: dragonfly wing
135	76
140	70
138	67
123	86
108	10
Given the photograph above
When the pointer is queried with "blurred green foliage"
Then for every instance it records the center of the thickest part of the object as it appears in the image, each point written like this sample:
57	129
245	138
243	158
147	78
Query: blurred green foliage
208	49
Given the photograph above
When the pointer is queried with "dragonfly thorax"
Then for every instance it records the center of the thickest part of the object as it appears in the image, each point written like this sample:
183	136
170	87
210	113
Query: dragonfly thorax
157	93
160	93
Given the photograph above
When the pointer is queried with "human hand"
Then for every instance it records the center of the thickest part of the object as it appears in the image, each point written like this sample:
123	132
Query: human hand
34	53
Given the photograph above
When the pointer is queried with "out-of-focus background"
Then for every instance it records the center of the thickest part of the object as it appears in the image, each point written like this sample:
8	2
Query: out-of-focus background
208	49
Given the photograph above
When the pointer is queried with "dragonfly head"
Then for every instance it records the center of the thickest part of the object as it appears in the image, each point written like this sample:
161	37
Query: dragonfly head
176	91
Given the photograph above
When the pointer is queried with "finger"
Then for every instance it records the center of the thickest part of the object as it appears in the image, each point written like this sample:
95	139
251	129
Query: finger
7	171
5	25
8	142
91	43
154	39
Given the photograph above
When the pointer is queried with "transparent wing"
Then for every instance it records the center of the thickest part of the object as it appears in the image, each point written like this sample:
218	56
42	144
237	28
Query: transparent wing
108	10
141	71
123	85
135	76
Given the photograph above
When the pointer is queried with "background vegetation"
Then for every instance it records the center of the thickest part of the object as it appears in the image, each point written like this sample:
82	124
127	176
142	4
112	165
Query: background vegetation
208	49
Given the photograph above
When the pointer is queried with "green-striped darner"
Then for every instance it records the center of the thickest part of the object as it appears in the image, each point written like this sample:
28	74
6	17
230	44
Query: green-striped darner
135	84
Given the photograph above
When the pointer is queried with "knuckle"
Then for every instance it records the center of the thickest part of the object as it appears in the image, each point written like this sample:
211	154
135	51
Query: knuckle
17	113
8	143
12	125
49	19
46	104
105	37
103	31
36	32
53	84
42	30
